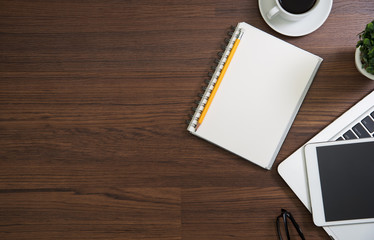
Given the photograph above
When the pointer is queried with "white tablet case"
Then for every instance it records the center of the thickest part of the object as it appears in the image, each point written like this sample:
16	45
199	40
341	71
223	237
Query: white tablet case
314	183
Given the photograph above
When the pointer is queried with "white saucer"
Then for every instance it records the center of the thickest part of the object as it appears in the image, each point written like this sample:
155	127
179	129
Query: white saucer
299	28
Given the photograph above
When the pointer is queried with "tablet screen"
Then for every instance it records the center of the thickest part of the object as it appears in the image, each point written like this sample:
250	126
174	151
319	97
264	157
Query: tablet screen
347	180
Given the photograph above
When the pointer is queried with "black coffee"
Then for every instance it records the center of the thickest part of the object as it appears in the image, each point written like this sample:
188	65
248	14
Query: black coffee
297	6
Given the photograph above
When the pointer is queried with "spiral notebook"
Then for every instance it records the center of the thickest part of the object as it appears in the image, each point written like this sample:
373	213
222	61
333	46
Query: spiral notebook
253	95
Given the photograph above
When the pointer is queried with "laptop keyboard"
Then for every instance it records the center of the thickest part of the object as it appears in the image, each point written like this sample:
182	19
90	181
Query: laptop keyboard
362	129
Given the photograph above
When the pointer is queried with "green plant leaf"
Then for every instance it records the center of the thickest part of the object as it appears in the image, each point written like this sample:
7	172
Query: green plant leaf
370	69
370	27
359	43
371	53
367	42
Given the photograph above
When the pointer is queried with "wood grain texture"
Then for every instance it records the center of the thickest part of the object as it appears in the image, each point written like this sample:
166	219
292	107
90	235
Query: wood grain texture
93	101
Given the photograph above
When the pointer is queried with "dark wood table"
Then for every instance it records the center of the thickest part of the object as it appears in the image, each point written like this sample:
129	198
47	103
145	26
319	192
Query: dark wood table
93	101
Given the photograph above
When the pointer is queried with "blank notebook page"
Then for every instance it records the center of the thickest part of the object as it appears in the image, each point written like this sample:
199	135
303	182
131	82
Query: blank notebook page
259	96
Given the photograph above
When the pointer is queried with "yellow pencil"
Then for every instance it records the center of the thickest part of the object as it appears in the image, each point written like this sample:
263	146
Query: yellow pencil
219	80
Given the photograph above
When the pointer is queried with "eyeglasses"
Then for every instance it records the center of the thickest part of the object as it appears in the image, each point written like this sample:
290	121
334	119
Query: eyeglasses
284	215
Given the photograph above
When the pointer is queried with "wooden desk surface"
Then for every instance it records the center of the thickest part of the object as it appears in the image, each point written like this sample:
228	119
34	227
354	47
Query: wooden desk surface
93	101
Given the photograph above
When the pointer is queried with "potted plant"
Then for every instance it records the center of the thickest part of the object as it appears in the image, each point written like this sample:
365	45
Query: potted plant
364	56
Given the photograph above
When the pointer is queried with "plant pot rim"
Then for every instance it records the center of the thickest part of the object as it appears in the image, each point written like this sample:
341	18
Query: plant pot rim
359	65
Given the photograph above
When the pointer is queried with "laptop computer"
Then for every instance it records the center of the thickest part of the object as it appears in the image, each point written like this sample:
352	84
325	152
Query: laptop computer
357	122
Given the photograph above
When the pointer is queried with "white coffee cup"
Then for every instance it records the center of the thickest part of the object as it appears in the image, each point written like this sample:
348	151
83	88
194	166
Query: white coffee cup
279	10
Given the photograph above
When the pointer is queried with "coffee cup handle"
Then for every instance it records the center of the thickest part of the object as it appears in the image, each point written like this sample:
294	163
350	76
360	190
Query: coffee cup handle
273	12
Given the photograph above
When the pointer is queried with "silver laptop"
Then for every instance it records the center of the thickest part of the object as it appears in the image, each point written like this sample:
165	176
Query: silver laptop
357	122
